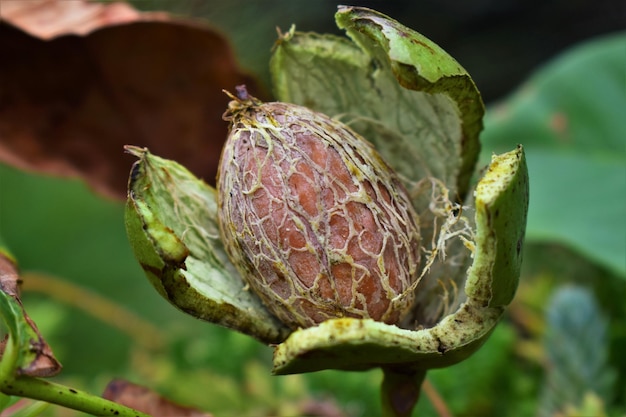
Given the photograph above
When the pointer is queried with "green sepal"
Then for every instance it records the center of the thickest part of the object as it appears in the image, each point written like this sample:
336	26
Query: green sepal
352	344
171	222
501	203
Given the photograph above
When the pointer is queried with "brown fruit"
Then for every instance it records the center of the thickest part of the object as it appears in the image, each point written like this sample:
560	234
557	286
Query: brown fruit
315	221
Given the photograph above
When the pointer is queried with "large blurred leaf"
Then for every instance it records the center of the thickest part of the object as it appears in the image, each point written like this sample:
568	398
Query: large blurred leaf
570	118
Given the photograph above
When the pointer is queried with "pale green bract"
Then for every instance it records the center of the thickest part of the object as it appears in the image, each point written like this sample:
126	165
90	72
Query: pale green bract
401	91
171	221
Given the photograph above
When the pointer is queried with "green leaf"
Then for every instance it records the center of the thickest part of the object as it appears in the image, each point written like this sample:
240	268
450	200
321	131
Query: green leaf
403	93
26	352
589	218
569	116
171	220
576	347
16	352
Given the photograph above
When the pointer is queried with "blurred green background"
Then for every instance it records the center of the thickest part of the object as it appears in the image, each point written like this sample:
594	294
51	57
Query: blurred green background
566	108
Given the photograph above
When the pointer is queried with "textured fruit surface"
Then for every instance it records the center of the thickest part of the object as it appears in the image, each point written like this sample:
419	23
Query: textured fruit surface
316	222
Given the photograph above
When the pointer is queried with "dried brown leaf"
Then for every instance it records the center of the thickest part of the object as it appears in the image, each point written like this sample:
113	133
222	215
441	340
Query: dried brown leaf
82	79
145	400
46	19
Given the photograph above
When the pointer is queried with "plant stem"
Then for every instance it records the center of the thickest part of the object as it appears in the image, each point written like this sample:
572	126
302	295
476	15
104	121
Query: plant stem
400	391
51	392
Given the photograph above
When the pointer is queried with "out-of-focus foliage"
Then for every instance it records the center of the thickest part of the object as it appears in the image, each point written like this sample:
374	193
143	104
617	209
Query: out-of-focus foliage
569	116
576	344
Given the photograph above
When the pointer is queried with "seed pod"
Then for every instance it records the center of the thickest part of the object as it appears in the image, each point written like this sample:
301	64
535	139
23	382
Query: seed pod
315	221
